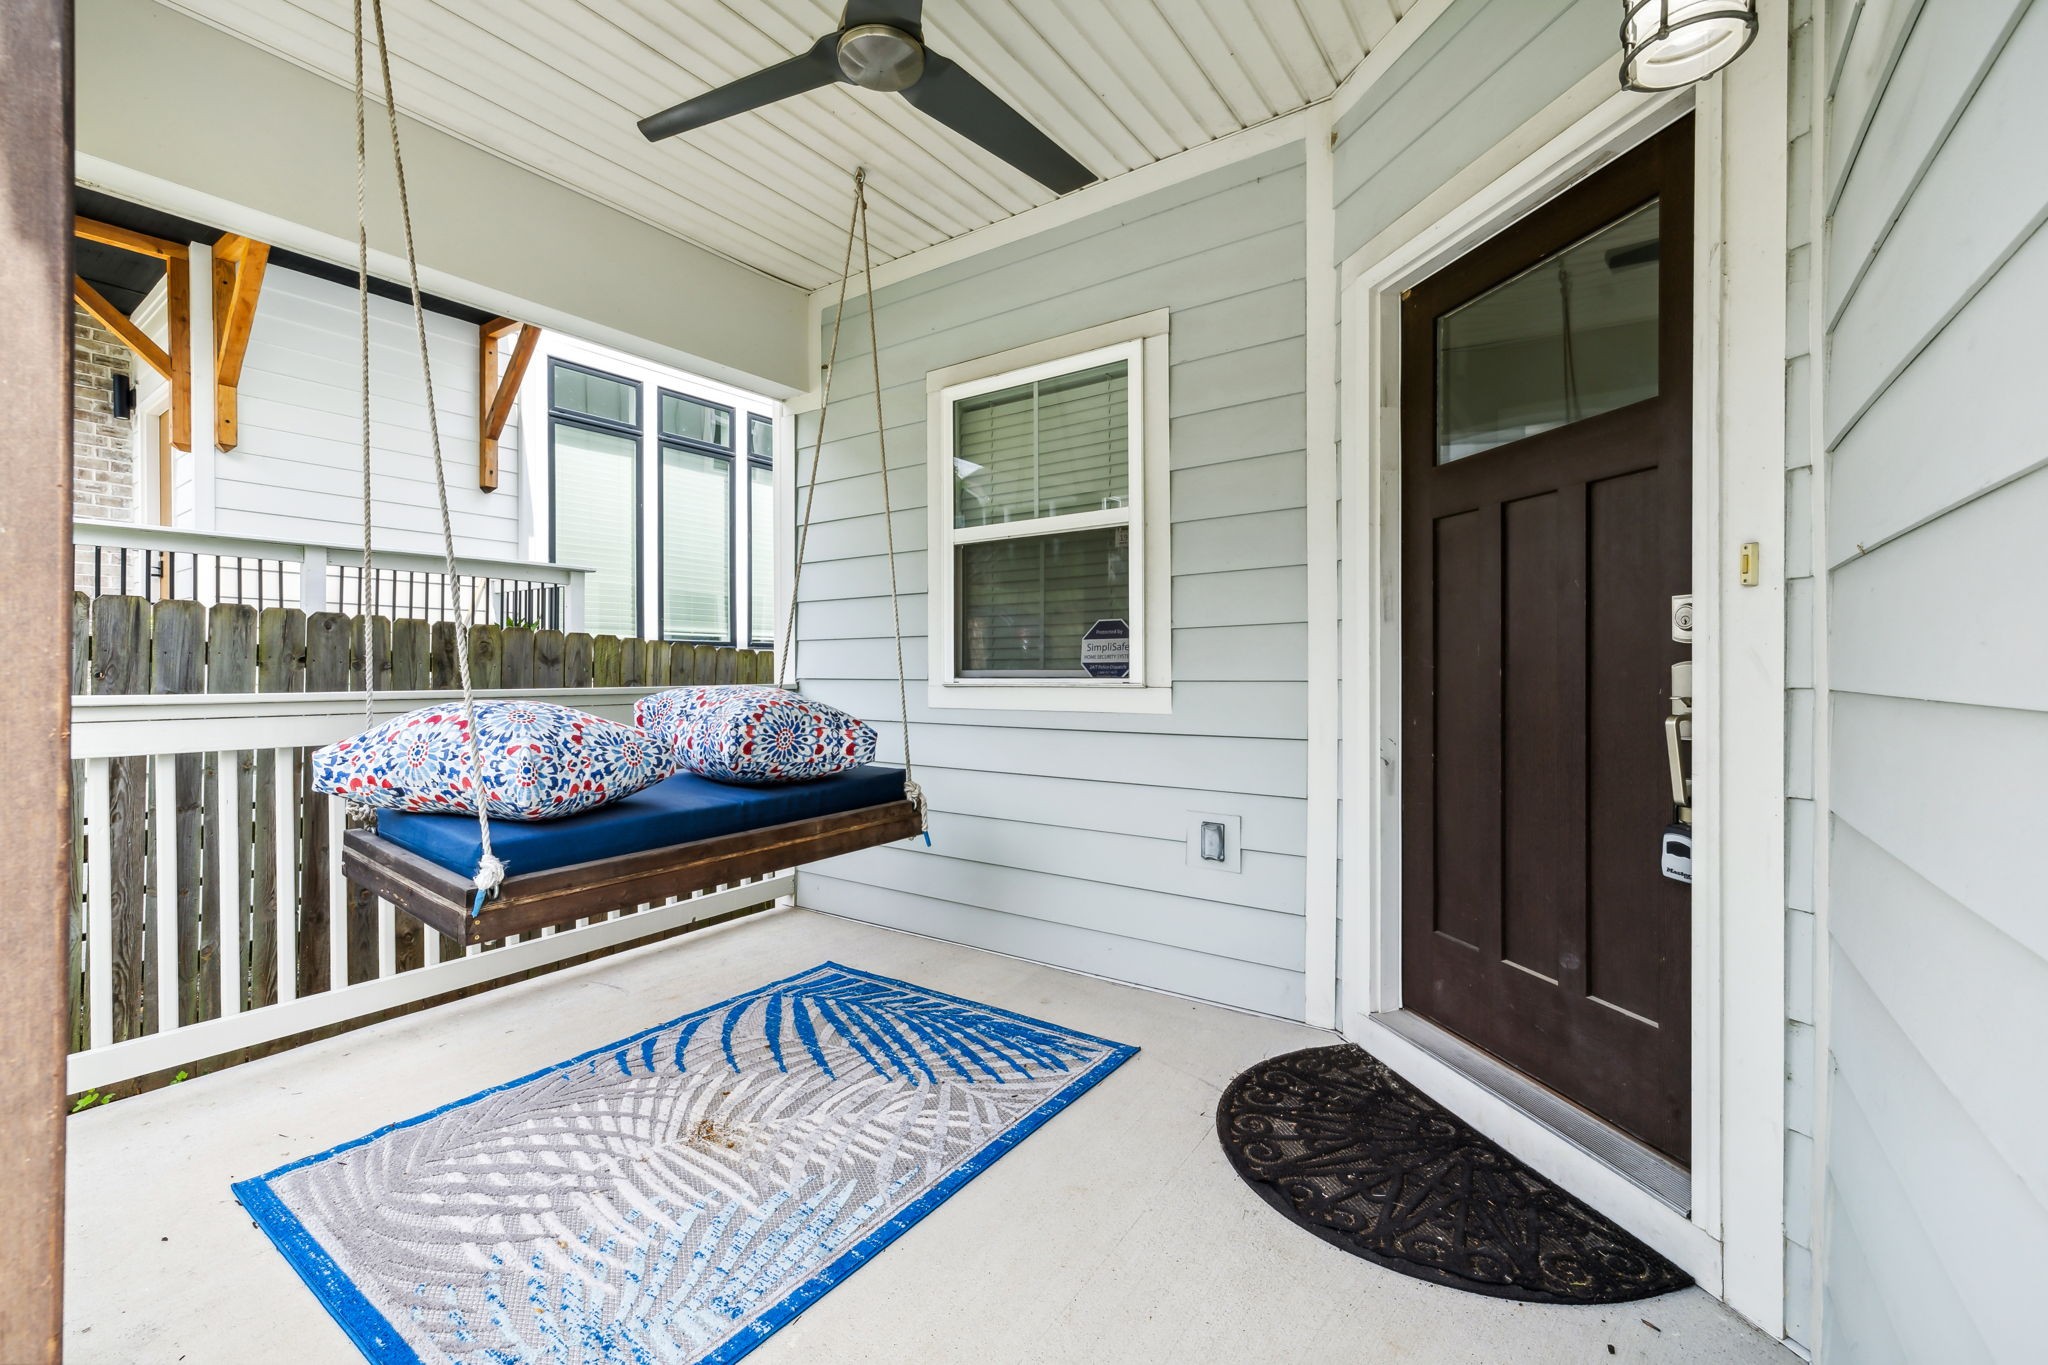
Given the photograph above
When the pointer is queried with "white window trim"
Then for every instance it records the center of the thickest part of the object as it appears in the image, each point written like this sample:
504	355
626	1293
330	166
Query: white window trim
1142	341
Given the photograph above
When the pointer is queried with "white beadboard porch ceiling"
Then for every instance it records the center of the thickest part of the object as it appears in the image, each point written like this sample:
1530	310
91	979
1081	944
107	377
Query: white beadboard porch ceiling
556	85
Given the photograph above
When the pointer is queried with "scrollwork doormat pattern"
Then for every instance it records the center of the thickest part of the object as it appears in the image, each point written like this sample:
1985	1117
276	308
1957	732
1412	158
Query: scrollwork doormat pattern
1342	1146
676	1196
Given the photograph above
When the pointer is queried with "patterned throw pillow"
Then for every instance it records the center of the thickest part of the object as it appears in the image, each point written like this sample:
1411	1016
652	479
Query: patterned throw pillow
539	761
665	715
757	735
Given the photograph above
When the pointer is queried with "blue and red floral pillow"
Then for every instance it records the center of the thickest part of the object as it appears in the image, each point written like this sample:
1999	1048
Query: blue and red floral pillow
755	735
539	761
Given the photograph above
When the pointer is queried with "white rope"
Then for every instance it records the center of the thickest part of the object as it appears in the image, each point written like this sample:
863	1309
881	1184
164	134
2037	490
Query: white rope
911	790
369	579
803	535
858	223
490	872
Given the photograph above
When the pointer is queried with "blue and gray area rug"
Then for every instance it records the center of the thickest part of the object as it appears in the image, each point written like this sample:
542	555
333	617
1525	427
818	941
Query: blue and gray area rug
676	1196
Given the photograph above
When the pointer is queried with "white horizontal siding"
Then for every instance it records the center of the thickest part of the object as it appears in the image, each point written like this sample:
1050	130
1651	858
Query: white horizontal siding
1937	952
296	472
1063	837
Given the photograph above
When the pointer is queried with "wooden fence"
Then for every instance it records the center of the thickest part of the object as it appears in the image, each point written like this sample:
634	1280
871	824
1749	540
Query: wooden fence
172	818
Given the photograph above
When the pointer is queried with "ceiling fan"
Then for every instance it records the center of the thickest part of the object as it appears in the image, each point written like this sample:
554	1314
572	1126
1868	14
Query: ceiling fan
879	46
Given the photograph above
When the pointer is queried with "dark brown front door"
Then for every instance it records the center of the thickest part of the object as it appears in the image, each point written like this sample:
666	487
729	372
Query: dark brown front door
1546	526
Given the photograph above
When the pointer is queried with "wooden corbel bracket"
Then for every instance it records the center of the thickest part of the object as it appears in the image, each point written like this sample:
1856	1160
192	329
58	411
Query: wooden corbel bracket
496	392
238	265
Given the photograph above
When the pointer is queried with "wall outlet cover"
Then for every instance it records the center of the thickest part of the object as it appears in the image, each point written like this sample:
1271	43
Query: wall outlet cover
1233	832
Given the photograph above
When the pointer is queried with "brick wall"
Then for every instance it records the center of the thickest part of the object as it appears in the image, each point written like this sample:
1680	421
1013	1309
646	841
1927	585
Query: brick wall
104	480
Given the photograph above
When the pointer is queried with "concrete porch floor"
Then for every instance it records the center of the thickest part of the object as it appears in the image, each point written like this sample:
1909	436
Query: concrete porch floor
1117	1233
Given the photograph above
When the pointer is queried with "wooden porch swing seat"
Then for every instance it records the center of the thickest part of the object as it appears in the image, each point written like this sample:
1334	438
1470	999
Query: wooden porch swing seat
681	836
527	902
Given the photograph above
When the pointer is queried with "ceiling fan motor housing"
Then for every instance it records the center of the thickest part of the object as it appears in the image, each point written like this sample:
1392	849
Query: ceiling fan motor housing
878	57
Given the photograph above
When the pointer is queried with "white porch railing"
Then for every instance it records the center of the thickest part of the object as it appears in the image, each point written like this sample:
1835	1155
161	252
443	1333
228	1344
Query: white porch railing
117	557
145	737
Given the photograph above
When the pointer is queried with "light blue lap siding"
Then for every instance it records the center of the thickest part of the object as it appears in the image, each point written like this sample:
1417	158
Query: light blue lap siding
1937	1187
1060	838
1474	76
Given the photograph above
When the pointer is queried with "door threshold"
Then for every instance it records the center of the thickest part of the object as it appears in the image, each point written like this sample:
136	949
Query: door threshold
1640	1164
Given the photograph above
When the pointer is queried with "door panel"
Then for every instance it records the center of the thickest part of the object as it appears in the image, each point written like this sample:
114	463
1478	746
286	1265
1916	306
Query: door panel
1544	533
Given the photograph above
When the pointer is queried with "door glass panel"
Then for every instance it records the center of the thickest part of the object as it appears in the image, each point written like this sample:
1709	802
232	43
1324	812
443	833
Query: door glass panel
1573	336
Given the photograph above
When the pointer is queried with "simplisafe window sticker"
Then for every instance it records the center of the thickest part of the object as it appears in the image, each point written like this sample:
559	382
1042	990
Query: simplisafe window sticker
1106	650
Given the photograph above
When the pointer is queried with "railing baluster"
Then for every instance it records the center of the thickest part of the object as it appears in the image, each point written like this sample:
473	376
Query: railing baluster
433	948
99	900
287	831
233	829
337	897
387	938
163	825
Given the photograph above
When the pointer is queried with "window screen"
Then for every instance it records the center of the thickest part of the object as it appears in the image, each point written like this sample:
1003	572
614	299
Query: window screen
696	545
1048	448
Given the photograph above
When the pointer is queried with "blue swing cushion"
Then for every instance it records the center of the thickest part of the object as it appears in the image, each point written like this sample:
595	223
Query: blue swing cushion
682	809
755	735
538	761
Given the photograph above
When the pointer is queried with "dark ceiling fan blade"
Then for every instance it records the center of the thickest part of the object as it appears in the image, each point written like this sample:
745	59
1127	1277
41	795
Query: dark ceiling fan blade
807	71
971	109
907	15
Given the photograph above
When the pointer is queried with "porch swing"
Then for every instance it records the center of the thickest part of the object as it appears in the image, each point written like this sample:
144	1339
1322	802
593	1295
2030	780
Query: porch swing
679	837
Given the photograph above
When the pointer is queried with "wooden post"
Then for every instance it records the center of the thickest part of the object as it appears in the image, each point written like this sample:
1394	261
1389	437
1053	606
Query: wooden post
35	618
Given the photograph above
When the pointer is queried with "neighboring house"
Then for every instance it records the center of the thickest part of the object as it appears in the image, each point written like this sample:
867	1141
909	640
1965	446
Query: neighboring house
684	460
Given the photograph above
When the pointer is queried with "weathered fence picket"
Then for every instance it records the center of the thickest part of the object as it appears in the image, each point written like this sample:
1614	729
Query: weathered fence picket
210	879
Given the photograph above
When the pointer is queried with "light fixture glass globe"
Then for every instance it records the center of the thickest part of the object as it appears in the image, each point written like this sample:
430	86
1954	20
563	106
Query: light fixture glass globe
1666	44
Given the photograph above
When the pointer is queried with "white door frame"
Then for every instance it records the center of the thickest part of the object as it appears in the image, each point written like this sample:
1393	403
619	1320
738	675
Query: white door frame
1732	1240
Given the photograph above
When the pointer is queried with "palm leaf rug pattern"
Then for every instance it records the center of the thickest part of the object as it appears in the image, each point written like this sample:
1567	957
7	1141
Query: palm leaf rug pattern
676	1196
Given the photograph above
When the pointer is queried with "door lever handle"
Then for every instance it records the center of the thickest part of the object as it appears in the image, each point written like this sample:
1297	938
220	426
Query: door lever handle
1678	729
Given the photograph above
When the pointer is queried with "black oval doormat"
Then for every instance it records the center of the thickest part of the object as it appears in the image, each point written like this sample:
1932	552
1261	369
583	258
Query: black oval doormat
1342	1146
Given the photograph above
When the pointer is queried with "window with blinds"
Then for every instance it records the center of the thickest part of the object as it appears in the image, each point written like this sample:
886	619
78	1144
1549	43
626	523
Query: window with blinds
761	553
696	545
1044	449
1042	520
594	490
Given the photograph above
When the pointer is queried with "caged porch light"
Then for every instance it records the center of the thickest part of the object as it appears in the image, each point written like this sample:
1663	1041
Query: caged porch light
1666	44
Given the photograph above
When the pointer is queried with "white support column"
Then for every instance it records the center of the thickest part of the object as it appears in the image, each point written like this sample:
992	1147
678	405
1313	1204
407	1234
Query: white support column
313	580
1743	134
